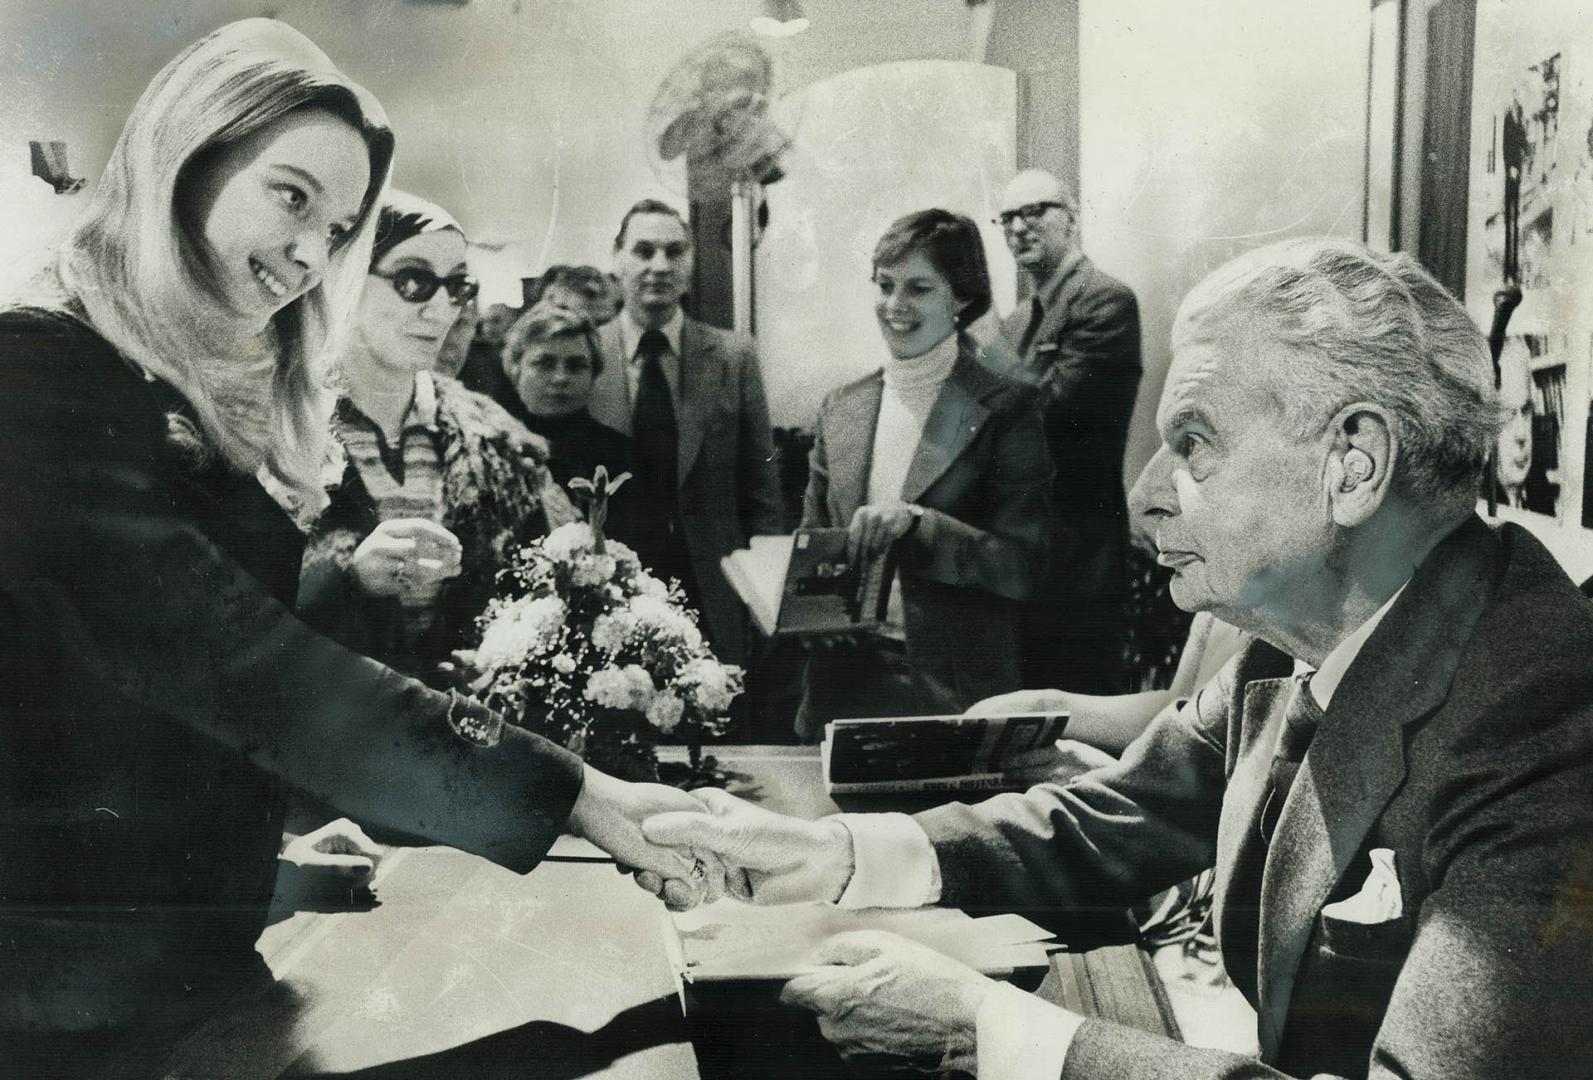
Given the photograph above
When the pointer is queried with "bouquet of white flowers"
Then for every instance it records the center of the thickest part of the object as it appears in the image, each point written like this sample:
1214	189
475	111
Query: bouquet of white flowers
585	647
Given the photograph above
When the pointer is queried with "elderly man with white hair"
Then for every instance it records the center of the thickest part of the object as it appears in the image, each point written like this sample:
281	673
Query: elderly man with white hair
1394	782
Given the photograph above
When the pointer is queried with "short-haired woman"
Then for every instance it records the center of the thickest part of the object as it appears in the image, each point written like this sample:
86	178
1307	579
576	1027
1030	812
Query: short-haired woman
946	462
551	358
160	695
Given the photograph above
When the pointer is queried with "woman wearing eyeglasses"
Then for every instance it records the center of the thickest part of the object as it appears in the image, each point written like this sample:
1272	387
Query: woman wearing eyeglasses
430	485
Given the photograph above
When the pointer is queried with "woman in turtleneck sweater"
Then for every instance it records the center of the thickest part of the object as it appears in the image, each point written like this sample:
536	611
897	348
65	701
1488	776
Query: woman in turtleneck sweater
947	462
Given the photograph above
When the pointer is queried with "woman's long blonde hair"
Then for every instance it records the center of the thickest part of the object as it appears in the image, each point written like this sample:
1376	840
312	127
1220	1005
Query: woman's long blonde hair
134	269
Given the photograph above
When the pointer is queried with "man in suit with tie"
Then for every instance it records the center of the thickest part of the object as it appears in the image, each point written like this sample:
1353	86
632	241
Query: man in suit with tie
691	398
1076	336
1394	782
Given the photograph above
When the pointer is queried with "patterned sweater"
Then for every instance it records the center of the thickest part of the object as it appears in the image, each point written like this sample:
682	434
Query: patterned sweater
497	493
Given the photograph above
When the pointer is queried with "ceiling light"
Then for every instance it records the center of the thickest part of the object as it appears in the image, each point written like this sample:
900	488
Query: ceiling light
780	18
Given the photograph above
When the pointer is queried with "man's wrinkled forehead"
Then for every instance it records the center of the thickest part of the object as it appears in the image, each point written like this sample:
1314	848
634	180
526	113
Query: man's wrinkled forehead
1234	366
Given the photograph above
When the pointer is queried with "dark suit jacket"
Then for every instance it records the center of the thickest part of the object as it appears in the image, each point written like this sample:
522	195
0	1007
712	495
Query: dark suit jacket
1461	738
729	490
158	694
1085	354
983	476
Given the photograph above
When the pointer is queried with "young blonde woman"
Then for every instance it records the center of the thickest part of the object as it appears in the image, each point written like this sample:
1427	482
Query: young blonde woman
159	694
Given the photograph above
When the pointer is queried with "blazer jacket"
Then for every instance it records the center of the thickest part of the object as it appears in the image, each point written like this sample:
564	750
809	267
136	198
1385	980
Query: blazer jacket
1461	739
729	490
159	694
983	476
1085	356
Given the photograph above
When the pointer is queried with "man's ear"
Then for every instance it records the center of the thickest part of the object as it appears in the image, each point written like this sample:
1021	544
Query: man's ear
1360	463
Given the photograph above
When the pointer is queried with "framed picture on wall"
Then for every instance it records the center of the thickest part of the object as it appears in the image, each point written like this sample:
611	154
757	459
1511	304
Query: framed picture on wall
1528	472
1530	224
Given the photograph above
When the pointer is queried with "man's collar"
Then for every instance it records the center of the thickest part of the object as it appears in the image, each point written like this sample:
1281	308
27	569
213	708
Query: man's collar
1326	679
631	332
1047	289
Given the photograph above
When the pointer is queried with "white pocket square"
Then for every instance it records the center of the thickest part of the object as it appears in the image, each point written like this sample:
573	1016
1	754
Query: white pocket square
1379	900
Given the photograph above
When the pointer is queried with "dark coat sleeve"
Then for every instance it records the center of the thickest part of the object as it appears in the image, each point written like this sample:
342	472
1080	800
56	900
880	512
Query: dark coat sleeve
1093	374
1105	840
98	560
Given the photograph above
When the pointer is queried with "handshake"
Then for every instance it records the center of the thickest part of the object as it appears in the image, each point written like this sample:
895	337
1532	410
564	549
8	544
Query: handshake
875	994
694	848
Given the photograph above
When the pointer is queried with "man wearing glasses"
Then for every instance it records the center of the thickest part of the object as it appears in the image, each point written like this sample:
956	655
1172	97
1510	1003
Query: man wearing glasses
1076	335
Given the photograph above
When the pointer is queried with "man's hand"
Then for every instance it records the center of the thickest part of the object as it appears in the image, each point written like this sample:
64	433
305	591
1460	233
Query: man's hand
404	553
770	858
876	527
1021	702
888	995
1057	763
336	858
609	812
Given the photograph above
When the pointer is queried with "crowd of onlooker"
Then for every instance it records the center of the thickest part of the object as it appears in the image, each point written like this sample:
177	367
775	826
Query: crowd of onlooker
984	455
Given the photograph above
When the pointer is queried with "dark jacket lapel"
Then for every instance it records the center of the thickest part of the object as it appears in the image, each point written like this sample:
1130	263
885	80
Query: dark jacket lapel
1266	686
1357	760
702	374
1055	298
849	427
956	417
611	400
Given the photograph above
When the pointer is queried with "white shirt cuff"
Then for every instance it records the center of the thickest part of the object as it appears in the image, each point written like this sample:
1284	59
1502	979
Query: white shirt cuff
1021	1037
893	863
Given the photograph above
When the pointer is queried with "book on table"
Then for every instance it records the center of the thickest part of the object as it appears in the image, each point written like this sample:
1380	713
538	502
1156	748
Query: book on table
730	961
932	753
805	584
729	941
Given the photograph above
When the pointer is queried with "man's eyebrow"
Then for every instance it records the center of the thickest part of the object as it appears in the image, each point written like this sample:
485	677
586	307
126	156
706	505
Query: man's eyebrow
309	179
1188	414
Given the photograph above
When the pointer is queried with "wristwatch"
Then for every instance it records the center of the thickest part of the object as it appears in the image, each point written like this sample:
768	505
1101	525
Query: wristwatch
918	515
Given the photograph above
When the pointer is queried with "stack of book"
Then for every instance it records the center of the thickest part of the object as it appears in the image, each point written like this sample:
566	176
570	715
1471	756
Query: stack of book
932	753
